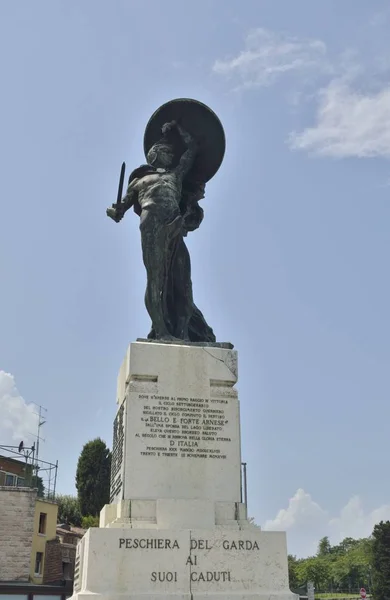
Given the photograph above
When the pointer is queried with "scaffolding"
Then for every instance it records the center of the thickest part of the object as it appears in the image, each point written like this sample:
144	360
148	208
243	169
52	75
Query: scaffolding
38	473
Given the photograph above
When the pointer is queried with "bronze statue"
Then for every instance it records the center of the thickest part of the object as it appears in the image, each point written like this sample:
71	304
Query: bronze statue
165	193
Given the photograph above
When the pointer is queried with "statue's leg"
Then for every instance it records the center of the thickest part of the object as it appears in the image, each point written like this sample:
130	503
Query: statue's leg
152	334
155	240
182	289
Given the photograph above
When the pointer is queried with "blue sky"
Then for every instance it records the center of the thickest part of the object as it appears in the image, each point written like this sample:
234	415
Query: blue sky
290	263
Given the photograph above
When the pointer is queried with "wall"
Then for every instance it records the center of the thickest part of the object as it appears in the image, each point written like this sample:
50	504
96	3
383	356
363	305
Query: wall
59	562
53	571
68	537
17	511
39	539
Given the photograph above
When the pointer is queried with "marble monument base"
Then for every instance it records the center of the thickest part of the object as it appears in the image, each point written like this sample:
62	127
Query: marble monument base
194	564
177	525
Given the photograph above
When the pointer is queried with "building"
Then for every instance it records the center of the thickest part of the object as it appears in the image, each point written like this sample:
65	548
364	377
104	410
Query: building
37	557
17	514
61	555
14	472
28	526
27	523
34	561
44	531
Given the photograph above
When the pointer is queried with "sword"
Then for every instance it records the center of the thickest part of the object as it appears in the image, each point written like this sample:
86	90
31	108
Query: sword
120	186
111	212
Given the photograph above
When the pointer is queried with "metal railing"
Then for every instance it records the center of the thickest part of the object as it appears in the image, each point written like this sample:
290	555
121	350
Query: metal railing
32	472
244	485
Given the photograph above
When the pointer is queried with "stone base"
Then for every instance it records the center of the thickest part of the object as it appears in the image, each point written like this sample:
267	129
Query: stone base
174	514
192	564
176	526
177	428
226	345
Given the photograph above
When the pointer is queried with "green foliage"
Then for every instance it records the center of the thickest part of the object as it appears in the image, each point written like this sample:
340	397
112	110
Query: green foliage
342	568
32	479
89	521
324	547
351	564
292	572
68	510
381	561
315	569
93	477
345	546
37	482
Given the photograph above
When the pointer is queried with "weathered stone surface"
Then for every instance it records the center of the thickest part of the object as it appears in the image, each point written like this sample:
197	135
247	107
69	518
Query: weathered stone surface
17	509
182	564
53	569
178	432
176	527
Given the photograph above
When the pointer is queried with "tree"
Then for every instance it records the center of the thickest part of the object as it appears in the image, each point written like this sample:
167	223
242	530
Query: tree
68	510
316	569
93	477
292	572
87	522
37	482
346	567
351	564
345	546
381	561
324	547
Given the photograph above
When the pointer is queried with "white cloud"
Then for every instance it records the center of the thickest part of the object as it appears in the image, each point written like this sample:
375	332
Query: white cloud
348	123
352	110
354	522
380	18
268	55
306	522
301	511
18	420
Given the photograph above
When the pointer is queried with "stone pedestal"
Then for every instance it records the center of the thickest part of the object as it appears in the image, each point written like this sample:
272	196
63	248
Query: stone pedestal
176	525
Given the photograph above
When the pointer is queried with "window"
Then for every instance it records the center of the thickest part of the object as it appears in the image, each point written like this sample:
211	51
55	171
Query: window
67	570
9	479
42	523
38	563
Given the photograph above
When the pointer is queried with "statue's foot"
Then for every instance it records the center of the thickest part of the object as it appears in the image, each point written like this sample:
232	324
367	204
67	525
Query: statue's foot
168	338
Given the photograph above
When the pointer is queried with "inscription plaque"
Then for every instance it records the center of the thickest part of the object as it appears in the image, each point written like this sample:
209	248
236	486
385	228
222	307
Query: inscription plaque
199	570
184	427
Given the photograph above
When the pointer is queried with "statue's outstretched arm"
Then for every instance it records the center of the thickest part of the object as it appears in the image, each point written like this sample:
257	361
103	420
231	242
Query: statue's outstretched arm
117	211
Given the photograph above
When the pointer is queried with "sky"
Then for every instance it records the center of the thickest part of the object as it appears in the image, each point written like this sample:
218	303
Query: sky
290	263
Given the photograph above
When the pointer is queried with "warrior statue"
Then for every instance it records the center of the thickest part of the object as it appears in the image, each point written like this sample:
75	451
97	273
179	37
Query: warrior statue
166	197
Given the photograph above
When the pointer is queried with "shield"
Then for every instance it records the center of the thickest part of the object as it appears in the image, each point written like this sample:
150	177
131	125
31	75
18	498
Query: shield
199	120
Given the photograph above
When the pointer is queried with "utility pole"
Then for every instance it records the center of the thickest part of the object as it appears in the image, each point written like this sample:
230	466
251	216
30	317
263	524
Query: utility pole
41	421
